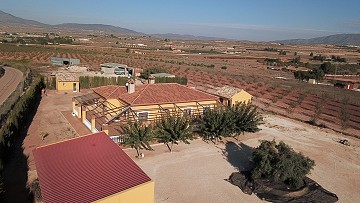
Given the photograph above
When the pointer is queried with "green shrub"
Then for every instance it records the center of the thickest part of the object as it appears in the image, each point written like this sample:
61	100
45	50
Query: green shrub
279	162
96	81
179	80
146	73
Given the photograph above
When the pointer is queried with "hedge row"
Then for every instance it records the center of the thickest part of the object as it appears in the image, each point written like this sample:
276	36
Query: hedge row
16	120
179	80
96	81
50	83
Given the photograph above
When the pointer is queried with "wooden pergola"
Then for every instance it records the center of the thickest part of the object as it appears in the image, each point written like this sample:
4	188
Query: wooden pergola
102	111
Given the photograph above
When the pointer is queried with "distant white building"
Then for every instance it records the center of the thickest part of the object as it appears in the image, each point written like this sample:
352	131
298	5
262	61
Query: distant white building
162	75
114	68
312	81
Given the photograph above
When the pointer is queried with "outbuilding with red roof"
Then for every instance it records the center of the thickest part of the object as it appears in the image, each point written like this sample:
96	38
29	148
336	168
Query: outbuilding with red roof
90	168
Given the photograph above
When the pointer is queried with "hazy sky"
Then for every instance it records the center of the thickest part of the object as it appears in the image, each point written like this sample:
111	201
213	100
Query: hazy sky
258	20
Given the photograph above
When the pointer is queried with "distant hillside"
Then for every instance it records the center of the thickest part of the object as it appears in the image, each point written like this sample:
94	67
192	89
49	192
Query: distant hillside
9	21
13	23
339	39
96	28
185	37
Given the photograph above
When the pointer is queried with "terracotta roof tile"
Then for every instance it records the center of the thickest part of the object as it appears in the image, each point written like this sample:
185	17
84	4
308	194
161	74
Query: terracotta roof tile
224	91
164	93
110	91
85	169
67	77
161	93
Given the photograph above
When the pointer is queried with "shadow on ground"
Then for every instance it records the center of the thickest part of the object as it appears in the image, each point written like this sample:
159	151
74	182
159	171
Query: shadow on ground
16	167
238	155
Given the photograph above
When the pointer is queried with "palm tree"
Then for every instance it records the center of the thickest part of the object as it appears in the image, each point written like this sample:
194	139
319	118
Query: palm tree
139	136
171	129
217	123
246	118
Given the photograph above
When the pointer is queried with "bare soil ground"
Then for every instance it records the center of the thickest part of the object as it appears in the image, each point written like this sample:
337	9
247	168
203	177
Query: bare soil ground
197	172
8	82
49	119
242	71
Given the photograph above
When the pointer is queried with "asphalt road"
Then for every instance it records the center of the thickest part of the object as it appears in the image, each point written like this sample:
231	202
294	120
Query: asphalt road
8	82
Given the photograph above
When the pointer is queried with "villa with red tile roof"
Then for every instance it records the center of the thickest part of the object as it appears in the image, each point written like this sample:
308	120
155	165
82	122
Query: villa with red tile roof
107	107
90	168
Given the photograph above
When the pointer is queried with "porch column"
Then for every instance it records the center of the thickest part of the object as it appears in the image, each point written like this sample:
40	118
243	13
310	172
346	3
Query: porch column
79	110
73	105
83	116
93	123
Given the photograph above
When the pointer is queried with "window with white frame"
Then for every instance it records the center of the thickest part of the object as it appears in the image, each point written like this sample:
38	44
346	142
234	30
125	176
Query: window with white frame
207	107
143	116
186	111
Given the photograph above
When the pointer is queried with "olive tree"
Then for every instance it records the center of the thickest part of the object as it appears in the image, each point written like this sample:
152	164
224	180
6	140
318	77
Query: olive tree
279	162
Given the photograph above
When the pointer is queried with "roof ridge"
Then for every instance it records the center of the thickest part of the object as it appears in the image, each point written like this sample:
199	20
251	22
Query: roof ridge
71	139
113	91
139	94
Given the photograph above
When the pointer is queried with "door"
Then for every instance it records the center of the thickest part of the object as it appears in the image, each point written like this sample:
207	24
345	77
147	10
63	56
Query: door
74	87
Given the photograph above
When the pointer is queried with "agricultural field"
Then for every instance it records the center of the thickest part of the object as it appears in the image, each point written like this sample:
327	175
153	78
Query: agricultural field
205	63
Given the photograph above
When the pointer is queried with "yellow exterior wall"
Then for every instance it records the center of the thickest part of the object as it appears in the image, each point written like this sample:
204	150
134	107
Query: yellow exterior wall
241	96
143	193
66	86
154	110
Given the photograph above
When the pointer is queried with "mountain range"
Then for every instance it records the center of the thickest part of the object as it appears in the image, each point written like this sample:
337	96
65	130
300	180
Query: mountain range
339	39
186	37
13	23
8	21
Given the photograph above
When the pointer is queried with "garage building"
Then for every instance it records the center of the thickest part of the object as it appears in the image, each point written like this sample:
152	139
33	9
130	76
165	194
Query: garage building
64	61
114	68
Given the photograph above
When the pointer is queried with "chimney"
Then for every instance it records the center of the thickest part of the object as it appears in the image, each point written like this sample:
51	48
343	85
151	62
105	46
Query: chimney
151	79
131	86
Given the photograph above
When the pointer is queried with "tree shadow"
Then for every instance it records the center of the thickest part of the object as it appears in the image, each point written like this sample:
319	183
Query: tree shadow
16	167
238	155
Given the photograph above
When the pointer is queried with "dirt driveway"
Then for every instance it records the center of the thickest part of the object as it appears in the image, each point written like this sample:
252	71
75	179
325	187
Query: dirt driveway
197	172
8	82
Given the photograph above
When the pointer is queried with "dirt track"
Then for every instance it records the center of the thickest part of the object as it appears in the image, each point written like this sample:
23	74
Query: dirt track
9	82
